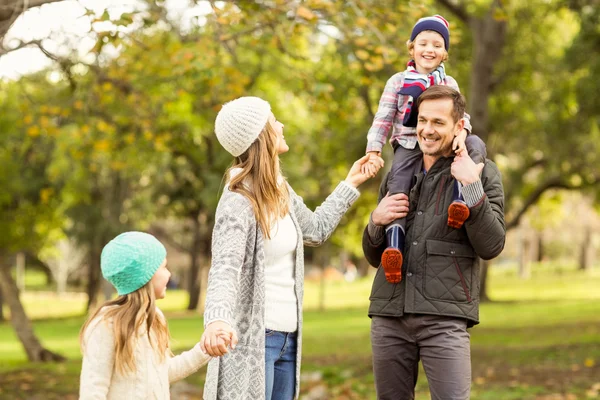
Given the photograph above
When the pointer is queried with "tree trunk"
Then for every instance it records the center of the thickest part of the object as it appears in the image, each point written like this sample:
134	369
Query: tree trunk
94	272
483	275
527	248
489	36
107	290
584	252
20	276
20	322
540	247
2	319
193	285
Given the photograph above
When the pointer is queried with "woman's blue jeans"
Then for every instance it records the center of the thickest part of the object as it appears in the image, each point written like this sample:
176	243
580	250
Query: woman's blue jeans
280	365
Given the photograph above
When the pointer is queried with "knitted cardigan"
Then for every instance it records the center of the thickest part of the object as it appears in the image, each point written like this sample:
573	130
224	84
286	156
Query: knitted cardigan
236	286
100	381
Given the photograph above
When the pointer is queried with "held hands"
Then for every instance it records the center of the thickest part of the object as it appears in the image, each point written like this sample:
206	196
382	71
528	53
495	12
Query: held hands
390	208
364	168
369	168
217	337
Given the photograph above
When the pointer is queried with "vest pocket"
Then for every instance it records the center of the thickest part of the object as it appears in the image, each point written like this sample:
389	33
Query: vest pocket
448	271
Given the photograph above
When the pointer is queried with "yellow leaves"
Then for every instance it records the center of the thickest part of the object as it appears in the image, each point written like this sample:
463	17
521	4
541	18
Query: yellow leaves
102	126
305	13
107	86
362	22
374	64
589	362
361	41
28	119
129	138
362	54
102	145
118	165
148	135
33	131
44	122
46	195
78	105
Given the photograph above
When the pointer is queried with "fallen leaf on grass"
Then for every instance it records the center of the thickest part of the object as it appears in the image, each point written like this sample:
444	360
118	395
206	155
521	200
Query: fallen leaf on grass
589	362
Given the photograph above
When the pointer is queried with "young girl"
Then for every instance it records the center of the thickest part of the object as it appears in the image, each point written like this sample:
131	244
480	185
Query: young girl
125	343
428	48
255	284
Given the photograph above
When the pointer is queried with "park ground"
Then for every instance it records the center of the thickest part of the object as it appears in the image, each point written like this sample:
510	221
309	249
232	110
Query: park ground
538	339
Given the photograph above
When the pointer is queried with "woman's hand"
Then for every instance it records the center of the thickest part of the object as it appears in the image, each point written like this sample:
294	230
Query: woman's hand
217	336
363	169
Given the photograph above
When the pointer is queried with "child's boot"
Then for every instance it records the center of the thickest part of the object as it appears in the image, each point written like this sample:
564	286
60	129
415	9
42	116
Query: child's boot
391	260
458	211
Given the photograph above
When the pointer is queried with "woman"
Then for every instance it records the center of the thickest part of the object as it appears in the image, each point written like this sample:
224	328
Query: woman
255	284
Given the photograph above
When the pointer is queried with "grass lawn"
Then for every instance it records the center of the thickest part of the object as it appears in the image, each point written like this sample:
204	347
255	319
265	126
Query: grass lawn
539	339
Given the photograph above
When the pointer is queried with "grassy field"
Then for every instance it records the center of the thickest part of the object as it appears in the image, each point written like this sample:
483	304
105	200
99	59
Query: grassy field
539	339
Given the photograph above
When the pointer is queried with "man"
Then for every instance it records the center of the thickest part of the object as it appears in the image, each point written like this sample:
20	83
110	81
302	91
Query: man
425	316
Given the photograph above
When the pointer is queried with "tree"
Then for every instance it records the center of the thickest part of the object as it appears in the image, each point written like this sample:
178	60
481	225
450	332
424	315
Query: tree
28	205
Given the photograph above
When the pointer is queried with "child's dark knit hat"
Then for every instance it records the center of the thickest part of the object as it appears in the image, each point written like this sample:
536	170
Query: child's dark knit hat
435	23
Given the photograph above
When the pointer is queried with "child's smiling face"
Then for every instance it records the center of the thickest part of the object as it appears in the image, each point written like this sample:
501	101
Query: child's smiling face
428	51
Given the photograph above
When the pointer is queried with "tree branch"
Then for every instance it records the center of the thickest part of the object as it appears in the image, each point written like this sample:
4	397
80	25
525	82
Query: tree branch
11	10
555	182
458	10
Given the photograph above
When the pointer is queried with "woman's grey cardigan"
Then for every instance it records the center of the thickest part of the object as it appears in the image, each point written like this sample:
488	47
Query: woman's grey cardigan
236	286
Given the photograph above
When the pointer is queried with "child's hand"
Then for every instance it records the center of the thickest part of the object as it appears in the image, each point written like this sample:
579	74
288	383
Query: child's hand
217	337
372	167
458	144
356	176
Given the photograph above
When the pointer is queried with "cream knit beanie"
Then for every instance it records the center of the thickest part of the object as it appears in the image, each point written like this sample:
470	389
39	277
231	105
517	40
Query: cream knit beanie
239	123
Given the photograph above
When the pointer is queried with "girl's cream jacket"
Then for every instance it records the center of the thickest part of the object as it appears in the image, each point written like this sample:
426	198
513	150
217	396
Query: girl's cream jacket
151	379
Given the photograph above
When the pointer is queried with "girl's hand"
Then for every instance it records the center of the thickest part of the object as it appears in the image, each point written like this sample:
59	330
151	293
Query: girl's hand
217	336
458	144
357	174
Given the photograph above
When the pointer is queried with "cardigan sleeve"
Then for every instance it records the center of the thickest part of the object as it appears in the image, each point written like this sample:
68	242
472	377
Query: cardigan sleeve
98	360
234	222
318	225
187	363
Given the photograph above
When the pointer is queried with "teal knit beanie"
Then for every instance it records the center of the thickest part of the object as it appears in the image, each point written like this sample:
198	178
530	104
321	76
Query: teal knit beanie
130	260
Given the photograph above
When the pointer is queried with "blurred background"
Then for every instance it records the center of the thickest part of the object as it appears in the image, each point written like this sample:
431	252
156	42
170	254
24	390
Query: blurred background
107	112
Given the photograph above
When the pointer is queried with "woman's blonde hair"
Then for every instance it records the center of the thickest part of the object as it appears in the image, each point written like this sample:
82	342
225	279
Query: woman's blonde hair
410	44
260	179
130	315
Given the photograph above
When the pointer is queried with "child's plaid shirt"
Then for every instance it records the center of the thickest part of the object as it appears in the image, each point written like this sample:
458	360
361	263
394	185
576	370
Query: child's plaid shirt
390	115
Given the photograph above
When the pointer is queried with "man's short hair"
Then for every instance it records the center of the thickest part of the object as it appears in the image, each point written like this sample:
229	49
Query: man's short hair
438	92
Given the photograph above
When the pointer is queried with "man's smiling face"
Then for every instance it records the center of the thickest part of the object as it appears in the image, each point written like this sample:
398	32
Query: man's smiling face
436	128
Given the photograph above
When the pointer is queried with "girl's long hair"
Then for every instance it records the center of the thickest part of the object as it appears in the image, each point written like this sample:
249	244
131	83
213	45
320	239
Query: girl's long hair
132	315
261	181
